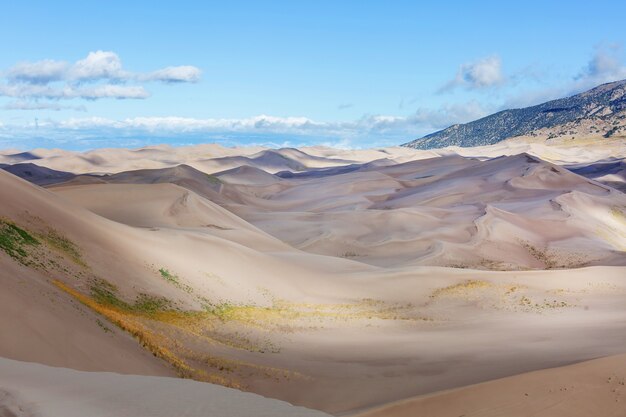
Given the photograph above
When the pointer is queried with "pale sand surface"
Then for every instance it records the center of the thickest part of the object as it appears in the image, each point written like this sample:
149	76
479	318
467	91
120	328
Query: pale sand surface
593	388
406	273
33	390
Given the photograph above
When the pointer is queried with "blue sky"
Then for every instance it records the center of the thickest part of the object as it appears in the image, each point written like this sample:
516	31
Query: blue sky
81	75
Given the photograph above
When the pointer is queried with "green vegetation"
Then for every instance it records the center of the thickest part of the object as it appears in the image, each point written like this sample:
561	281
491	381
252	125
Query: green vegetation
105	293
213	179
146	303
611	132
15	241
223	311
62	244
167	275
174	280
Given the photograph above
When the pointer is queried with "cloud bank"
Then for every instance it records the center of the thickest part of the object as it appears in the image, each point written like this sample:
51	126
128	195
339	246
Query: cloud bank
373	129
97	76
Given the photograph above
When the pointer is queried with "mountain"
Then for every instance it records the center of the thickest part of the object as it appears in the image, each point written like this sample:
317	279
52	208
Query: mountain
599	111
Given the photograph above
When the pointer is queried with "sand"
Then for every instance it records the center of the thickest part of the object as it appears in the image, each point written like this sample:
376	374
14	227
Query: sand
32	390
354	280
592	388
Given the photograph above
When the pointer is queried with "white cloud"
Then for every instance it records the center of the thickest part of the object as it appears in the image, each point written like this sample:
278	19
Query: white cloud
188	124
42	72
30	105
605	65
486	72
369	130
97	76
36	92
450	114
421	122
119	92
98	65
180	74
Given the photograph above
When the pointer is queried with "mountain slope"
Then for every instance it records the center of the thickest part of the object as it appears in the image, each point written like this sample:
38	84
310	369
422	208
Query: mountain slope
599	111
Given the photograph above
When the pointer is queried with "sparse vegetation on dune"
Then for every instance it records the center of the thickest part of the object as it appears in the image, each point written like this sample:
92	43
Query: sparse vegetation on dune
15	241
284	314
460	289
107	304
486	294
61	243
39	246
169	333
540	255
145	319
174	280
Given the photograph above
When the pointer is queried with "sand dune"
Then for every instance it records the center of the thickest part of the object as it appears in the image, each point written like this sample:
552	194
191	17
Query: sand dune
341	287
38	175
500	213
43	324
611	172
31	390
167	206
593	388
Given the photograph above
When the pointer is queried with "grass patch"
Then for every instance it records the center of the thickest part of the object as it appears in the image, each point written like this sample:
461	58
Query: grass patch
140	318
461	289
174	280
223	311
187	339
105	293
284	314
15	241
106	302
167	275
151	304
63	244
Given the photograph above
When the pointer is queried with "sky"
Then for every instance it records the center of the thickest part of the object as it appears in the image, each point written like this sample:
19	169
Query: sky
83	75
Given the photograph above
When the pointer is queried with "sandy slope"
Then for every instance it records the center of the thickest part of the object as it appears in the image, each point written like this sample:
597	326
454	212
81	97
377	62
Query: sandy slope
42	324
31	390
593	388
167	206
312	288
